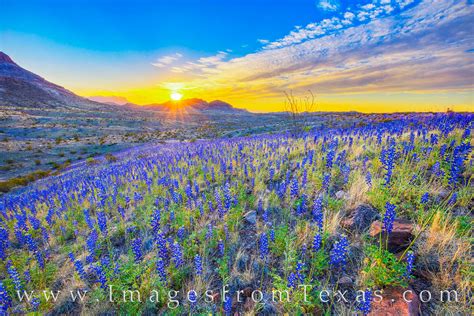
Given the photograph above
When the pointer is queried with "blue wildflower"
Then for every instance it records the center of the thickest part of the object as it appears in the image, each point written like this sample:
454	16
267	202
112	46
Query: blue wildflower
137	249
389	217
198	264
366	304
263	245
338	255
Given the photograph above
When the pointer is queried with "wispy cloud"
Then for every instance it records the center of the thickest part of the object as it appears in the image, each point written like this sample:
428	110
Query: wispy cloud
328	5
396	46
165	61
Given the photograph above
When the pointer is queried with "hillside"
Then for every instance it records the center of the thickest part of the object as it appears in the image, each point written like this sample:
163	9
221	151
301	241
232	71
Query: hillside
369	211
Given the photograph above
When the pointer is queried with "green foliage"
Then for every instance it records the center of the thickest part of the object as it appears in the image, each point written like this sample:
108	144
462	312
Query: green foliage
382	268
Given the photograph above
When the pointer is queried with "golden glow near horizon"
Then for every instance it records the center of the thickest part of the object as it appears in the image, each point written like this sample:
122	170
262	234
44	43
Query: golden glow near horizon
176	96
366	59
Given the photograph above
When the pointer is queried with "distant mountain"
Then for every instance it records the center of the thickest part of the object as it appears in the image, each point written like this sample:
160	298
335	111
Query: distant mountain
194	105
22	88
113	100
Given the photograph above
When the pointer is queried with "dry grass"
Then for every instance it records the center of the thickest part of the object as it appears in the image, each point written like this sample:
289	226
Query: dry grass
332	221
454	262
357	193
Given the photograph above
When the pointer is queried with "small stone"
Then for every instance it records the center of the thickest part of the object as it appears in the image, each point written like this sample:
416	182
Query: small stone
247	292
242	262
251	217
399	238
394	304
341	195
360	218
345	281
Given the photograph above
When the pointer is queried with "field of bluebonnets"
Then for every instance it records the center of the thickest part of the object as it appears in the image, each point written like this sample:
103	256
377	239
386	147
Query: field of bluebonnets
264	213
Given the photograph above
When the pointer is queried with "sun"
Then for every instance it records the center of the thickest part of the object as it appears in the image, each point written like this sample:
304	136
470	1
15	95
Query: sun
176	96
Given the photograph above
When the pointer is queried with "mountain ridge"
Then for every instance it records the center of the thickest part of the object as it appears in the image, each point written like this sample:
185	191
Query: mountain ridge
22	88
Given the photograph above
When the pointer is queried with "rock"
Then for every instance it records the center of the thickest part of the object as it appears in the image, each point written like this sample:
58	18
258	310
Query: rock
242	262
443	194
249	304
247	292
58	285
394	304
341	195
345	281
67	307
399	238
251	217
216	297
360	218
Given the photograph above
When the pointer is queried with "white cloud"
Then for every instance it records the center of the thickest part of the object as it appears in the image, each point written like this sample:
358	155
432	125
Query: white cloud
164	61
328	5
419	49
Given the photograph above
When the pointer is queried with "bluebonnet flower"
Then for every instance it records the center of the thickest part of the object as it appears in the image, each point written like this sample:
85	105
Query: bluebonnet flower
424	198
221	248
294	188
101	277
326	181
410	259
317	240
88	219
198	264
338	255
14	276
460	154
192	297
102	221
160	269
5	300
121	211
78	265
162	250
263	245
387	158
155	221
436	169
228	305
35	303
39	258
209	231
91	244
27	276
318	212
299	272
4	243
303	251
45	234
389	217
368	179
292	280
272	235
453	199
180	233
265	216
220	208
177	255
137	249
467	133
35	223
329	158
365	305
227	196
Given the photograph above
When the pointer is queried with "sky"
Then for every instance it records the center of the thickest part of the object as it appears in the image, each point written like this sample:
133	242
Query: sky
367	56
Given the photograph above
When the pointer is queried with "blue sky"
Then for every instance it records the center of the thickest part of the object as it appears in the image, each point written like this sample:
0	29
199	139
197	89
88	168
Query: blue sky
356	55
